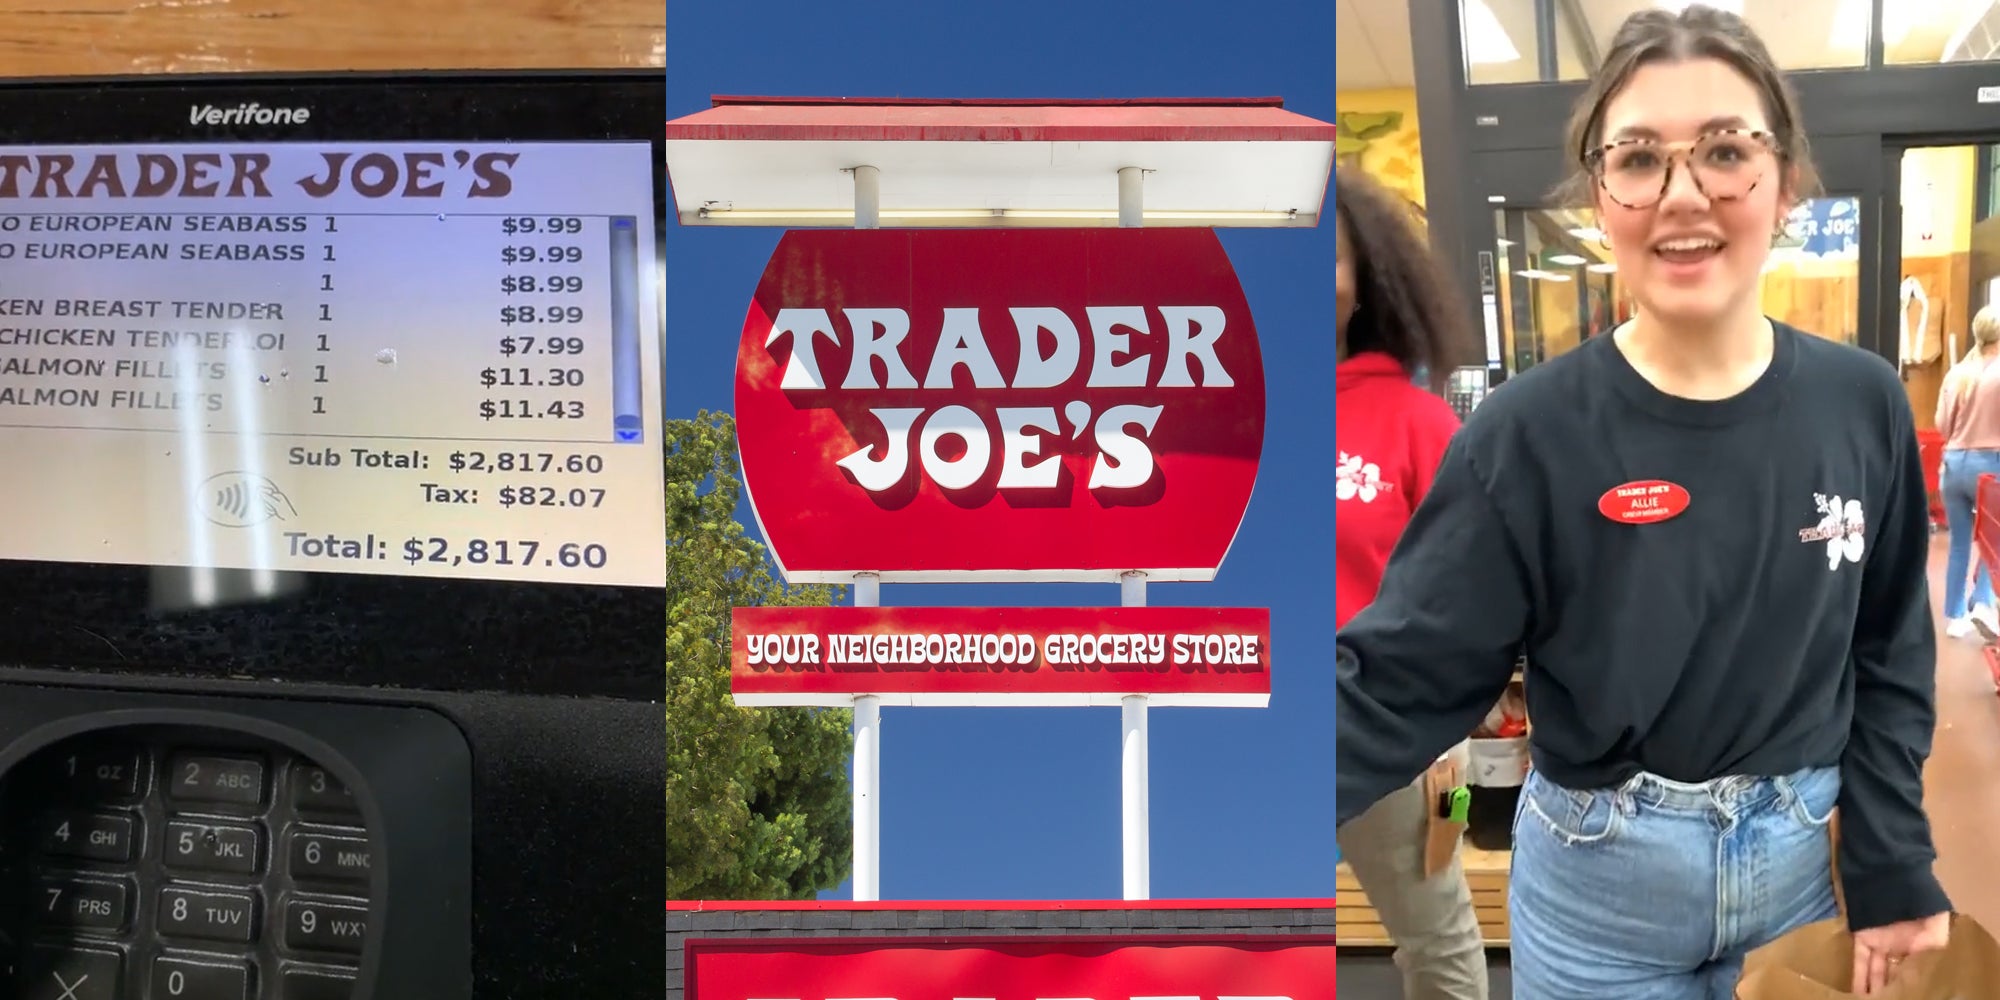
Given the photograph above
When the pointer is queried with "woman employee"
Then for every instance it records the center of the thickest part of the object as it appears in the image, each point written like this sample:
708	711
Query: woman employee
1394	316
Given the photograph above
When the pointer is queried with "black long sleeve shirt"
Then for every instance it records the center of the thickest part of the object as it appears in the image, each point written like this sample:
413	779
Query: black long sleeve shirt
1780	621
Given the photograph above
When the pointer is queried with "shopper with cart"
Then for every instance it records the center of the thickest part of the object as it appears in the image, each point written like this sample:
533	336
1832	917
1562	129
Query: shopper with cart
1968	415
1394	317
1708	531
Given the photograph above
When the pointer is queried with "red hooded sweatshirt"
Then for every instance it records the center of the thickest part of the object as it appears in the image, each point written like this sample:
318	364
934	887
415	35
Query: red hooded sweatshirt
1390	434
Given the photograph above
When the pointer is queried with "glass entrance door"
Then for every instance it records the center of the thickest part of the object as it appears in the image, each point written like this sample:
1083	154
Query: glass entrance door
1940	263
1562	286
1557	287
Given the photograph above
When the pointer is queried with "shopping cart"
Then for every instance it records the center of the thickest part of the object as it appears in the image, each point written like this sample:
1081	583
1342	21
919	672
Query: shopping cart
1986	548
1930	448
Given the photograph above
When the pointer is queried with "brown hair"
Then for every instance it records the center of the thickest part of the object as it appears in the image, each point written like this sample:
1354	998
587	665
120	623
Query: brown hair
1404	302
1696	32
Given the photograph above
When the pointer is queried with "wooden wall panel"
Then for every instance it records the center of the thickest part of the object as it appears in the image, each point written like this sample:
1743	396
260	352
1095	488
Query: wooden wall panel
121	37
1821	305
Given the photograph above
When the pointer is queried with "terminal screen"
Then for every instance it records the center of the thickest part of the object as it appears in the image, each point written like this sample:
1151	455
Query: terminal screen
388	359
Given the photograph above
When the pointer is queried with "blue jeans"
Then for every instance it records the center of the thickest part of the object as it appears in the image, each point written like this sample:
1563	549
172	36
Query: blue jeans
1958	484
1655	890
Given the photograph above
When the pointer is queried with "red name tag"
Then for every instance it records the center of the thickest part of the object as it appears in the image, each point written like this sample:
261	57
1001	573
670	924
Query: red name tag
1644	501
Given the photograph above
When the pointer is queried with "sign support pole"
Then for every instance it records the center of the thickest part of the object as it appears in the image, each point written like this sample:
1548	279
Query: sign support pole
867	198
1137	778
1136	774
1131	197
867	707
867	769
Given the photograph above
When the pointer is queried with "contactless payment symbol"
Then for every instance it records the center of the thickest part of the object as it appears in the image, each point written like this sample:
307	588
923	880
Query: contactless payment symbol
1644	501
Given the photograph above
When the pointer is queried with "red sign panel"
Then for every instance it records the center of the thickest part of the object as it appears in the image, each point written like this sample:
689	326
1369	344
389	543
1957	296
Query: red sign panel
1020	405
1001	656
1070	968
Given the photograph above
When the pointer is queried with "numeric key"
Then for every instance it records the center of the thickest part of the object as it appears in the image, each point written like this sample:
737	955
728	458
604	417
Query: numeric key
215	916
212	847
90	836
316	790
86	904
210	778
328	857
100	774
311	925
185	979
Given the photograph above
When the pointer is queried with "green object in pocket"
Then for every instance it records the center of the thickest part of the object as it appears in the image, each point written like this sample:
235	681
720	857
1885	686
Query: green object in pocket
1460	804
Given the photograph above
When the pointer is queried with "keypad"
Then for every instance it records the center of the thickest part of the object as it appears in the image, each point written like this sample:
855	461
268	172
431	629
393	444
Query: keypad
163	864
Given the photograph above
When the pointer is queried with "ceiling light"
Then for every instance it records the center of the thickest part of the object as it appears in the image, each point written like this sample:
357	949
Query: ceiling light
1589	234
1604	268
1969	22
1486	41
1567	259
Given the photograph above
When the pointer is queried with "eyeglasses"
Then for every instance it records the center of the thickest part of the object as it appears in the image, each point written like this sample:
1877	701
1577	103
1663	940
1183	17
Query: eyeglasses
1724	165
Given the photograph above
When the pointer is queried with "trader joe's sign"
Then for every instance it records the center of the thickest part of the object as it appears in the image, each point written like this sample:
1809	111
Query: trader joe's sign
1022	405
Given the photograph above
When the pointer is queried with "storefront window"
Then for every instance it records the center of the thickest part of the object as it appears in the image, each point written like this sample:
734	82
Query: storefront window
1505	42
1528	41
1561	285
1939	31
1558	285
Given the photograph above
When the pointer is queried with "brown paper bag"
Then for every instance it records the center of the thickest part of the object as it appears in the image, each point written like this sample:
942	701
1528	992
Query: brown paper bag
1441	835
1816	962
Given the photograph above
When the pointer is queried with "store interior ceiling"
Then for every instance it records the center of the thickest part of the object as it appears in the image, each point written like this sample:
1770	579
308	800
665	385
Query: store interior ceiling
1372	37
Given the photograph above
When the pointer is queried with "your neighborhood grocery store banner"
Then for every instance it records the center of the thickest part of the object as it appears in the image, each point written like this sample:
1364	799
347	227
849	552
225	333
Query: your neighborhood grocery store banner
1069	968
1001	656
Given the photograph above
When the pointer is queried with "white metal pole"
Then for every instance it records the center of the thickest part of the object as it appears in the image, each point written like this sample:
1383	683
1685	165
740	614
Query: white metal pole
867	769
867	799
1137	805
867	198
1136	773
1131	197
1132	589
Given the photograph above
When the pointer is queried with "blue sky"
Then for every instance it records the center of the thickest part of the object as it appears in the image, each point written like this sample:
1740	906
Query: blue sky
1019	804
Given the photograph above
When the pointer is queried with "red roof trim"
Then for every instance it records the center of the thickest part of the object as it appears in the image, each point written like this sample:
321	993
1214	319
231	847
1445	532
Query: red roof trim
1037	905
1262	120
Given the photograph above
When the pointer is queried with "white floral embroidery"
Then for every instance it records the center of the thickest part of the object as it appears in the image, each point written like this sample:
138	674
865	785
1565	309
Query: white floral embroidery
1358	479
1842	526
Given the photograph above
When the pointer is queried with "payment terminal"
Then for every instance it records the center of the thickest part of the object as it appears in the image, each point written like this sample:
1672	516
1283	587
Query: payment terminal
331	533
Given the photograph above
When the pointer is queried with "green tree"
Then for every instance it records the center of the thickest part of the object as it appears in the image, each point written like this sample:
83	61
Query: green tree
757	799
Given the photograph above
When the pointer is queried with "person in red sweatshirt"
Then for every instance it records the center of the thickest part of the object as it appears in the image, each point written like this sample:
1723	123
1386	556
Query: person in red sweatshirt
1395	318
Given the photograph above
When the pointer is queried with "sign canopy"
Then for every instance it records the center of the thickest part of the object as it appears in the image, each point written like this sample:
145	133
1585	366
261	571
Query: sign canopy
791	162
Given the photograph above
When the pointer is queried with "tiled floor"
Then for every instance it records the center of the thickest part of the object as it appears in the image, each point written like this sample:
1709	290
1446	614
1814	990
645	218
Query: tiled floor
1962	792
1962	787
1372	976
